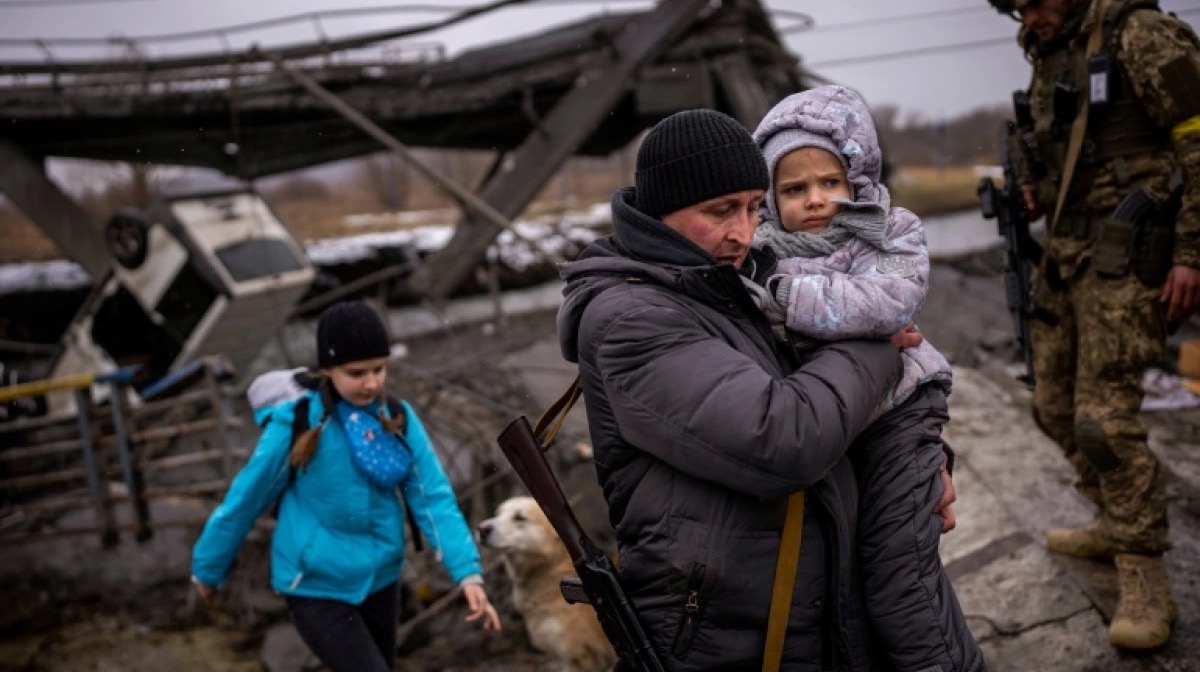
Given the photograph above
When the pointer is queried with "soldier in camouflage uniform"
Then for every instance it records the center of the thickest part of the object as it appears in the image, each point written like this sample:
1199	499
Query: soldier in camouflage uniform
1107	287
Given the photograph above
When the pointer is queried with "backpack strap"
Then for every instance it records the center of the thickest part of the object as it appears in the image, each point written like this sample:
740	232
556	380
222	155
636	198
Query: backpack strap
395	408
300	418
397	412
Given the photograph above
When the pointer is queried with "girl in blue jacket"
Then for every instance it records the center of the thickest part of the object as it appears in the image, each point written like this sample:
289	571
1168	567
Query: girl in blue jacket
342	487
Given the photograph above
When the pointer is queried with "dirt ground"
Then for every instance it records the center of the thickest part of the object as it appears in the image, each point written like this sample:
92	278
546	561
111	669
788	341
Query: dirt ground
81	607
76	606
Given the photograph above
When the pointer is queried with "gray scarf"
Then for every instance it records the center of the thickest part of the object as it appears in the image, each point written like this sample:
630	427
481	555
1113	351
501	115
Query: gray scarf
865	220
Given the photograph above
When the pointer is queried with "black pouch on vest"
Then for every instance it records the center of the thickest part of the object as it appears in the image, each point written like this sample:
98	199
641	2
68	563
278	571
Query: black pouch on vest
1112	248
1066	103
1156	246
1155	263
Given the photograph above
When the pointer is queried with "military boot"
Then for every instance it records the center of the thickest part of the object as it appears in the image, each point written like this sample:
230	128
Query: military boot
1144	611
1160	585
1091	541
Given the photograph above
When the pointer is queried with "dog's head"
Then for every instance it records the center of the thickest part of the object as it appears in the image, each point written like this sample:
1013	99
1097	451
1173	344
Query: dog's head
519	527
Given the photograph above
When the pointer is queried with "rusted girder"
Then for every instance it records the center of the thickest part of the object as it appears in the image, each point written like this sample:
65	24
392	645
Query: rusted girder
24	182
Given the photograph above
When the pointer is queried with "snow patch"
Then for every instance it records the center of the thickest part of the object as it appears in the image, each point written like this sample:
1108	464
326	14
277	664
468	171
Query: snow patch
548	236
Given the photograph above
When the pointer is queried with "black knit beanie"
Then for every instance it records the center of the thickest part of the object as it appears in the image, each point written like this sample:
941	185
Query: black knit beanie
350	331
693	156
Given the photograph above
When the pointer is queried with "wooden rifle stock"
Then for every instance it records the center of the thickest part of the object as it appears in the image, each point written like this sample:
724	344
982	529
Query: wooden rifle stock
597	576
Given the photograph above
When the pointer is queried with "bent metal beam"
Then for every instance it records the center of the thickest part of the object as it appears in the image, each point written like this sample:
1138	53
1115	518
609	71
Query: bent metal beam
26	185
548	145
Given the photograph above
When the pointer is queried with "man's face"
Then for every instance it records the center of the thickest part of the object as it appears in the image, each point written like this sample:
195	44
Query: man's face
1044	17
723	226
807	180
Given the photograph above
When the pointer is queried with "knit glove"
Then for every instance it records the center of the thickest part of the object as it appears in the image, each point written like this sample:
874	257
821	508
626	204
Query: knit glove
780	288
776	313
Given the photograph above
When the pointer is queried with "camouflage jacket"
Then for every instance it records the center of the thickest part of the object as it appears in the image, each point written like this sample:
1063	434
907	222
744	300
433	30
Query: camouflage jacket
1158	74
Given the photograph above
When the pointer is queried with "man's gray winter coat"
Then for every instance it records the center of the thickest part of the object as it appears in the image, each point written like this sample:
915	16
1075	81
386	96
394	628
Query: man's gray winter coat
702	427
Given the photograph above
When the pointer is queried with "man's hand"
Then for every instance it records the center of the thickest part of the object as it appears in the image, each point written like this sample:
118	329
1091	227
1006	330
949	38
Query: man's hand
1029	193
949	496
908	338
1181	292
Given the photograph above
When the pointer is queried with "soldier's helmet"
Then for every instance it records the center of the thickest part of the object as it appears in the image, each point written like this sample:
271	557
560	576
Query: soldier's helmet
1012	7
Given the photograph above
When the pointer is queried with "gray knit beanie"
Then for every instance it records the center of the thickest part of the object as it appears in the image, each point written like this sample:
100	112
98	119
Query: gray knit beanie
693	156
787	140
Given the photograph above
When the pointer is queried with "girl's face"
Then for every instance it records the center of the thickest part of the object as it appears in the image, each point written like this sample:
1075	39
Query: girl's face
807	180
359	382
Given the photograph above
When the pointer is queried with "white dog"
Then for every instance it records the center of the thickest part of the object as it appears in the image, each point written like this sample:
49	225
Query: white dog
537	561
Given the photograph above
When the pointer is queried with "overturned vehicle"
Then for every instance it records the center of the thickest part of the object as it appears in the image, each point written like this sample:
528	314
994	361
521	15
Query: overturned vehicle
195	274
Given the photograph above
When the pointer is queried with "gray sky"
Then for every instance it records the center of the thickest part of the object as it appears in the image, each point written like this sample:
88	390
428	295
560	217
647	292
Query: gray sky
931	58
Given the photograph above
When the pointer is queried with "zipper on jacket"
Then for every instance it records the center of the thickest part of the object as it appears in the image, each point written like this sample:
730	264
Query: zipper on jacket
835	648
296	581
693	609
437	536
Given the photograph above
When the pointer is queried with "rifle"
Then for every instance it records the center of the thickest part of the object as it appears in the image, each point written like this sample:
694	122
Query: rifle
597	584
1022	252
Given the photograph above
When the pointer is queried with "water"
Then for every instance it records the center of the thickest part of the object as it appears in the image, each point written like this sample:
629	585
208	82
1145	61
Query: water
957	234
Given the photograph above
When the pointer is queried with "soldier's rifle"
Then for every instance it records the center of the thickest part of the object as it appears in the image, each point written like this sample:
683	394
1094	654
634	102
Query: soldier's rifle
1022	252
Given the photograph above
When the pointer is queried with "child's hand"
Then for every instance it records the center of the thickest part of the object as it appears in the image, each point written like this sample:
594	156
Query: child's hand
481	608
207	593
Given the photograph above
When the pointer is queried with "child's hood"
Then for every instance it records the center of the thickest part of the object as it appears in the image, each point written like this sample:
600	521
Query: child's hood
840	114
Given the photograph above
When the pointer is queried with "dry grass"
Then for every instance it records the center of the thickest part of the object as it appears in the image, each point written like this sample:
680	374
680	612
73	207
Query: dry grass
321	213
929	191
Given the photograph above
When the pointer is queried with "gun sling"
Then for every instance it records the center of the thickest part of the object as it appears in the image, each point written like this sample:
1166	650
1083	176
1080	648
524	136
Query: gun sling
549	422
785	582
1075	144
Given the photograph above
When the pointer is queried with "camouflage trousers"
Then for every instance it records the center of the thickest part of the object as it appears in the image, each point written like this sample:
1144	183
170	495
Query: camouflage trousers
1088	370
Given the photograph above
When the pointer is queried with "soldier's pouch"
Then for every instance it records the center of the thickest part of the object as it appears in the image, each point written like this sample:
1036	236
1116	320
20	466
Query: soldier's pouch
1155	250
1154	263
1112	248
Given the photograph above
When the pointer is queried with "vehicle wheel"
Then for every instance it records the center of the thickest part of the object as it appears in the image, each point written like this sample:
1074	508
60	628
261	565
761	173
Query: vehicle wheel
126	237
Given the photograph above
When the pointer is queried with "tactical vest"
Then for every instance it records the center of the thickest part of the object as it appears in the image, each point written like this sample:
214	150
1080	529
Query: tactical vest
1118	127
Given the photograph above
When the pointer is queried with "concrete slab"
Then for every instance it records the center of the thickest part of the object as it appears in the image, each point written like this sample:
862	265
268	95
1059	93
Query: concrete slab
1024	472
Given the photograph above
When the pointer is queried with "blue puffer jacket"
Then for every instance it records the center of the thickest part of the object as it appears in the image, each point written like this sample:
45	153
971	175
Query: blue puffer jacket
338	537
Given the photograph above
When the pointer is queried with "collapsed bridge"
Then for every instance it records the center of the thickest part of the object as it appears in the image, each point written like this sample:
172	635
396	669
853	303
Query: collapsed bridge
588	88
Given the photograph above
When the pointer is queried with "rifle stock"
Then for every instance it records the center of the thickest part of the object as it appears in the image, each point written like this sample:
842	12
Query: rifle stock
597	576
